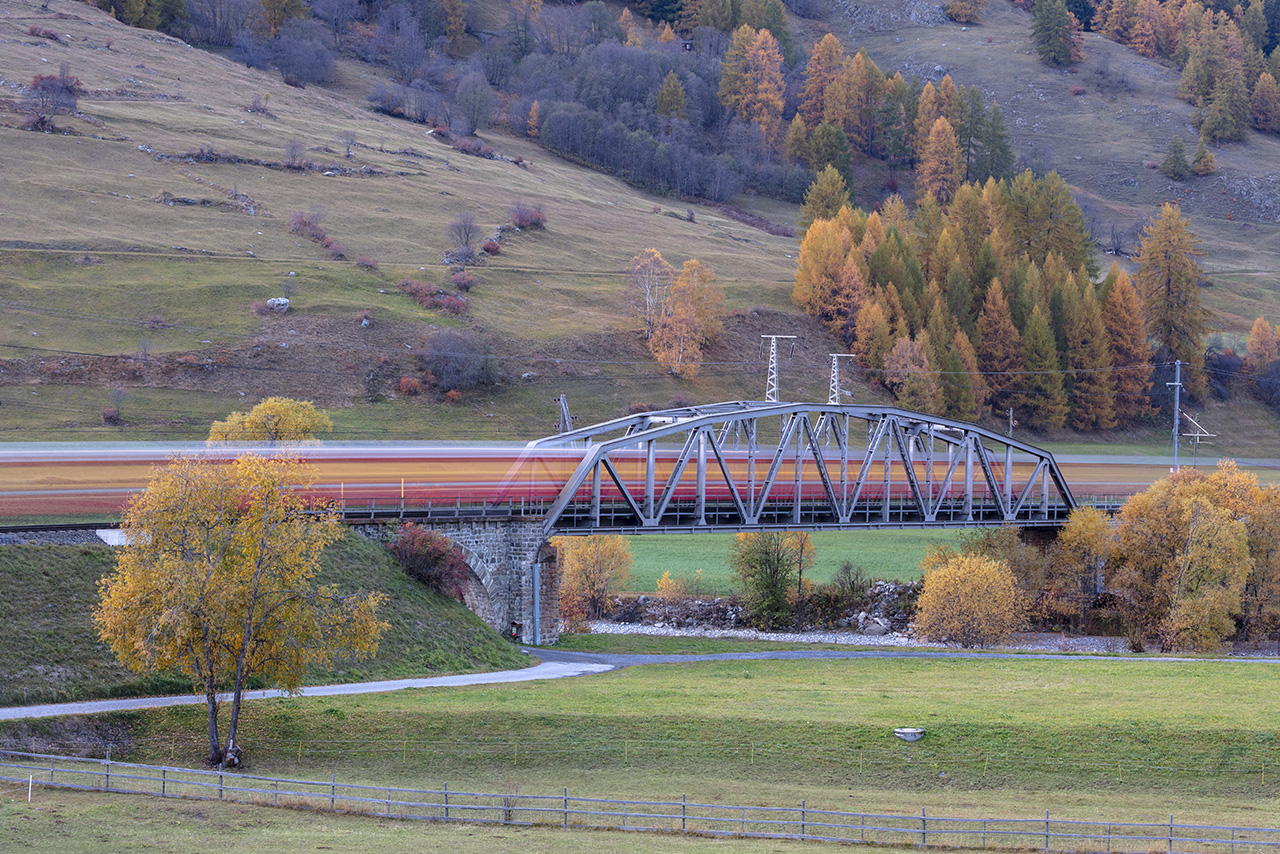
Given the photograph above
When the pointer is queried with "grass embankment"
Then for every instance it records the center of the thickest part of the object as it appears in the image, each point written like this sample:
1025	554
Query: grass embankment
50	651
886	554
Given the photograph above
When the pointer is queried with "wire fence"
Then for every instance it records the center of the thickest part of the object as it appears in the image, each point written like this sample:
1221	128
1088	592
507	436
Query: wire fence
670	816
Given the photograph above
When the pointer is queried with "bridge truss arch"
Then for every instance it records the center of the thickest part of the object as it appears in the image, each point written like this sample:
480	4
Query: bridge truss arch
752	466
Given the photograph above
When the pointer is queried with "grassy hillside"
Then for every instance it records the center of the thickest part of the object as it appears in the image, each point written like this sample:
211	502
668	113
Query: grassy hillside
113	298
50	650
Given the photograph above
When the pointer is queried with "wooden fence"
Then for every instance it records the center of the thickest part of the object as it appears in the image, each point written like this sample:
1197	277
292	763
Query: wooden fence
682	816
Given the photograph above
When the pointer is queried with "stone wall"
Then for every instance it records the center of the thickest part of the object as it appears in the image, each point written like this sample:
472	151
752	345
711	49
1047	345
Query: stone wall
505	556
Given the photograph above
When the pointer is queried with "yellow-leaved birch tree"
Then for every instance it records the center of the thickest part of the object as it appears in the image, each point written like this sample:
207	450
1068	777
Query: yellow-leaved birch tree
215	583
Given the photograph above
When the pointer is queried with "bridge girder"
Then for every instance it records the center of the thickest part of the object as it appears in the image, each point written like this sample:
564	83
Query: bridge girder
751	466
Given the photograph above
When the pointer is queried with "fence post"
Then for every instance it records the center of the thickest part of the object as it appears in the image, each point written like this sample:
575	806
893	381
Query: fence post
446	800
924	828
108	769
802	817
984	833
1108	837
275	798
388	803
1170	834
743	826
333	789
51	761
1046	831
219	785
565	823
163	775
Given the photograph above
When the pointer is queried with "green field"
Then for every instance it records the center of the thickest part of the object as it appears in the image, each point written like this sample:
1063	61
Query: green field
883	554
1149	735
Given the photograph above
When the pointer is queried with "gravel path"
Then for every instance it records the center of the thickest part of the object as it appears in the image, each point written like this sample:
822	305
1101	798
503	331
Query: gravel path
1047	642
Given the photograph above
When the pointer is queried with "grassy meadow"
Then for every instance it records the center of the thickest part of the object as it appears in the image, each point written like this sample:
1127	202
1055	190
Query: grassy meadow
886	554
1084	738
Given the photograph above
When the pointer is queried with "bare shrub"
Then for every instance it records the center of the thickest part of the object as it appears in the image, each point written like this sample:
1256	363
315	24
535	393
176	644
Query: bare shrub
463	229
364	262
308	225
527	216
259	106
347	139
463	281
457	361
111	418
293	151
410	387
491	247
49	95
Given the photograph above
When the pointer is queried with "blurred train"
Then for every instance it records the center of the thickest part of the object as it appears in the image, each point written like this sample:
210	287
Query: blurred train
51	480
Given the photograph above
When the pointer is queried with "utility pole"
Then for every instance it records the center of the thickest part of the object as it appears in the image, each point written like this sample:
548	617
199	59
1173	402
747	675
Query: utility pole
566	420
771	384
833	392
1176	385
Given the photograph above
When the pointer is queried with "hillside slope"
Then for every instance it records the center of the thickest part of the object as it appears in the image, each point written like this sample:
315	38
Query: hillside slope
50	651
134	247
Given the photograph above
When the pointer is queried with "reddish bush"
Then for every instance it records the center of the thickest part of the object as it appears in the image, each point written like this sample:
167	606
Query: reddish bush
431	558
638	406
491	247
410	387
308	225
527	216
449	304
463	281
111	418
431	297
1077	89
364	262
453	396
473	147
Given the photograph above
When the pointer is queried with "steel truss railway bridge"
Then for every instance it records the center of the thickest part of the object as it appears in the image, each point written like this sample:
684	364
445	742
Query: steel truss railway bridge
754	466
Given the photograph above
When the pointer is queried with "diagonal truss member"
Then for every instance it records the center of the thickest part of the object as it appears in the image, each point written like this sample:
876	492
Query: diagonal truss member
750	465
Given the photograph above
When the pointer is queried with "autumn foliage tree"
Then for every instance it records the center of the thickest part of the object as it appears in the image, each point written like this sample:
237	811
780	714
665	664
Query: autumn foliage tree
649	279
691	316
1168	280
969	600
770	565
215	583
274	420
1184	556
591	570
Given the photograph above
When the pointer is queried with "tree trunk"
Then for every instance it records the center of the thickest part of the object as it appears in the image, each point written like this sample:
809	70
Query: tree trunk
215	747
231	756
